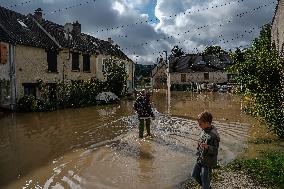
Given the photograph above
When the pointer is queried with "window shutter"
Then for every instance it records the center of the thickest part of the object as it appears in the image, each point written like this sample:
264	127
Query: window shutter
3	53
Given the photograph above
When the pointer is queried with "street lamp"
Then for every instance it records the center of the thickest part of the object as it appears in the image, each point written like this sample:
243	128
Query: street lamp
168	82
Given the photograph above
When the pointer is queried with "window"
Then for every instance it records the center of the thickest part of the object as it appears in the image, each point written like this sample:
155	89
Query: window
231	77
52	61
75	61
86	63
206	76
127	68
183	78
29	89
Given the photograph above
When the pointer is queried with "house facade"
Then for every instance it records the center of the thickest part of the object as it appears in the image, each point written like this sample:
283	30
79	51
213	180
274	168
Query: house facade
200	68
159	75
36	50
194	68
277	30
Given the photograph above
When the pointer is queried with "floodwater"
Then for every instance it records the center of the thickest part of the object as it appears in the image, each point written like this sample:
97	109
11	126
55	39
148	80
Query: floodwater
98	147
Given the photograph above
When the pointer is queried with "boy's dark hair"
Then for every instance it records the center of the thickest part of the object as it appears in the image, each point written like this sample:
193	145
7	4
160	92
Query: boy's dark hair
205	117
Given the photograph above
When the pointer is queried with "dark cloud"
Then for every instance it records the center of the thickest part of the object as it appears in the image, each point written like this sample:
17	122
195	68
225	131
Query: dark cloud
174	22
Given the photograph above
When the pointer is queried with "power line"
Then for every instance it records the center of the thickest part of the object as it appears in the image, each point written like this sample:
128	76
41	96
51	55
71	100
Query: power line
68	8
239	36
20	4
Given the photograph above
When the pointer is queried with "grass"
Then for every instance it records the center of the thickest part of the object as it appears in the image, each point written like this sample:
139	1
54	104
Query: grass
269	170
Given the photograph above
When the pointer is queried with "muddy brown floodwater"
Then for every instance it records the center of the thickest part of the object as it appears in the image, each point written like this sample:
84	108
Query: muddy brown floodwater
98	147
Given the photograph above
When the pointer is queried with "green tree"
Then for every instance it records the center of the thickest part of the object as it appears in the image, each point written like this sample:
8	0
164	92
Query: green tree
216	50
176	51
259	72
239	55
175	55
116	77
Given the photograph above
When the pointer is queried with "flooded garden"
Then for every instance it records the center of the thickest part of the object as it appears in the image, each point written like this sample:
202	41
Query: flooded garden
98	147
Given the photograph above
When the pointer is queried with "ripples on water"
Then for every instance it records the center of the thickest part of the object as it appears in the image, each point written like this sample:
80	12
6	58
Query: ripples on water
102	150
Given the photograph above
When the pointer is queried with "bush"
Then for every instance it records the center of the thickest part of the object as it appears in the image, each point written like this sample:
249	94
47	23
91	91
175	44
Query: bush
31	104
63	95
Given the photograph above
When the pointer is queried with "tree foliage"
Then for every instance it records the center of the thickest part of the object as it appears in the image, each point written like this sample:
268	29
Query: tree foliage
176	51
213	50
116	77
259	72
175	55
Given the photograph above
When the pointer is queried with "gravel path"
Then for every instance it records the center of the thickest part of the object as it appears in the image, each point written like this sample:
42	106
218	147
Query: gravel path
226	180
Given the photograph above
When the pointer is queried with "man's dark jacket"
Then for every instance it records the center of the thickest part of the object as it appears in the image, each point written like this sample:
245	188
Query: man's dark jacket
143	107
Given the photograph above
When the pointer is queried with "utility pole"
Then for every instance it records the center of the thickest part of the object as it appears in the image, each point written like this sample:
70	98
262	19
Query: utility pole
168	82
68	27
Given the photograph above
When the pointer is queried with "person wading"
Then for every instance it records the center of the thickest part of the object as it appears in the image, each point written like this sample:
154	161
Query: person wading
143	108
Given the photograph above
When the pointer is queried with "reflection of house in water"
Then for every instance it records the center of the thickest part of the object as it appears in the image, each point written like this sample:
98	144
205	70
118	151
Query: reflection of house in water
108	111
195	68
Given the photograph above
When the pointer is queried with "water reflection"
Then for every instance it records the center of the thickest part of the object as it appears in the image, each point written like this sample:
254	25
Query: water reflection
98	147
145	161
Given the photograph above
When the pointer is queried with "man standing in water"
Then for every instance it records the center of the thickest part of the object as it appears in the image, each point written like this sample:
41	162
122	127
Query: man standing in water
144	110
207	150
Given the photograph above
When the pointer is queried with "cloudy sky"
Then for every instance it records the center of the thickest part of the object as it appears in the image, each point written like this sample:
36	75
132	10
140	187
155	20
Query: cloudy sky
145	28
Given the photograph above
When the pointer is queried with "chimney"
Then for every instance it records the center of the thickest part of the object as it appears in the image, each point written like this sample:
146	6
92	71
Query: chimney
38	14
109	40
76	27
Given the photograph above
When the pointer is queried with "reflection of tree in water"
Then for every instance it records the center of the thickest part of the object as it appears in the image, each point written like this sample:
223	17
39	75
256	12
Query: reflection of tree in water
206	101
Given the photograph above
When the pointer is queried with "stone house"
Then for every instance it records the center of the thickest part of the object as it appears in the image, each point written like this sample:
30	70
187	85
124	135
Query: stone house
195	68
34	49
277	30
200	69
159	75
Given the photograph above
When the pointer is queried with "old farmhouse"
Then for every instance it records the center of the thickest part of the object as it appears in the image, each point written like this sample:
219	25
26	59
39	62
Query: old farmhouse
34	49
194	68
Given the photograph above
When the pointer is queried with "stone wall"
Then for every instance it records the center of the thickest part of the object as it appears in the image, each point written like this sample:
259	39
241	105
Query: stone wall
31	66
